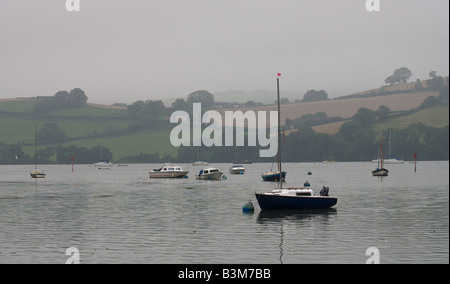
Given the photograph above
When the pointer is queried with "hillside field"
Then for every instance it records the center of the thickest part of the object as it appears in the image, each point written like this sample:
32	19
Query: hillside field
94	124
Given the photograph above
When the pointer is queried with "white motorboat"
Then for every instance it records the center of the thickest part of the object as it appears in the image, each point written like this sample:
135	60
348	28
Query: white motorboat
209	174
104	165
169	171
200	163
237	170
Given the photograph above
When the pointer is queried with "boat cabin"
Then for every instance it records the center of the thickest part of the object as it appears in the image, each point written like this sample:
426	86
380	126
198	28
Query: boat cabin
209	171
169	169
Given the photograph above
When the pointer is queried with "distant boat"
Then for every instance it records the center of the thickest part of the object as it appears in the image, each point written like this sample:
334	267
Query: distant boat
380	171
104	165
237	170
36	173
200	163
169	171
291	198
392	160
274	176
209	174
244	162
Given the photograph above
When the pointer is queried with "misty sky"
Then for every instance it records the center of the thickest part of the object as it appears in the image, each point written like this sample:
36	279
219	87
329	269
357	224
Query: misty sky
129	50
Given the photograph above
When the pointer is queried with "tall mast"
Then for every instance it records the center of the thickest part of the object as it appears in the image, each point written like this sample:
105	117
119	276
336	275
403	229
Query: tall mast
35	146
279	131
381	151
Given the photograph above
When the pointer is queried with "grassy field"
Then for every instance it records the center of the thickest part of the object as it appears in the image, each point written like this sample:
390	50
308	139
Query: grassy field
87	126
345	108
433	117
123	146
22	130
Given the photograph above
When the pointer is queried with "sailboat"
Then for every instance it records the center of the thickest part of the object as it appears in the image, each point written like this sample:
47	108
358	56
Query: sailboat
391	158
279	175
380	171
36	173
294	197
103	164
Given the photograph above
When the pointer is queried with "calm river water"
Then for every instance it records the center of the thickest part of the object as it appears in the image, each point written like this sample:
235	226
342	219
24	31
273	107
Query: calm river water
121	216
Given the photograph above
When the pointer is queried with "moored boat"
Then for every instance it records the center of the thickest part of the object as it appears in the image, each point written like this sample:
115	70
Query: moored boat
380	171
200	163
291	198
37	174
237	170
168	171
209	174
104	165
295	198
274	176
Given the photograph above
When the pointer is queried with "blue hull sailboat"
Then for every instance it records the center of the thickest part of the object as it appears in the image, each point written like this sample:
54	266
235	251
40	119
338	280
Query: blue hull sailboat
291	198
295	198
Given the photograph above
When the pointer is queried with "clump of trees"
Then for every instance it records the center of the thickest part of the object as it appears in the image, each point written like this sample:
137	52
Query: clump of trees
51	133
62	100
309	120
313	96
400	76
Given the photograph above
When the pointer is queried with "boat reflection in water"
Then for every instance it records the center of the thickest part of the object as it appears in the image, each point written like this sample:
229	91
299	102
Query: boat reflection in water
287	219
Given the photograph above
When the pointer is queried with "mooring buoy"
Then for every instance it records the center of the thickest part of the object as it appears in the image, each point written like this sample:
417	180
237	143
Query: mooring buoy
248	207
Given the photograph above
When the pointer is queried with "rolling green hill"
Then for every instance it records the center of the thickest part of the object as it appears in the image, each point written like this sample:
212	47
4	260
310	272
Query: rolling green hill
115	129
87	126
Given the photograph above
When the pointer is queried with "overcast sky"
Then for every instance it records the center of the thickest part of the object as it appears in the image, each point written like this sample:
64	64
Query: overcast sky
129	50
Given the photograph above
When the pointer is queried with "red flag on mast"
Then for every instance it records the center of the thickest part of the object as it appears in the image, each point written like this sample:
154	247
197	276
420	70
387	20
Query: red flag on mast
279	74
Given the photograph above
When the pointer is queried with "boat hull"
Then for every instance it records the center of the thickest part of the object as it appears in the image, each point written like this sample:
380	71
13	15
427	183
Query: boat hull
37	175
380	172
168	174
274	176
277	202
239	171
212	176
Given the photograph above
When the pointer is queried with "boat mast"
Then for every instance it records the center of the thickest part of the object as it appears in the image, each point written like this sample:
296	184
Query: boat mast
279	132
35	146
381	151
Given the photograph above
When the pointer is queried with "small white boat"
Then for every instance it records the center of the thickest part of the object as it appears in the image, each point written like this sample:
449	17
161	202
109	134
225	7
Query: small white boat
104	165
200	163
237	170
209	174
169	171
